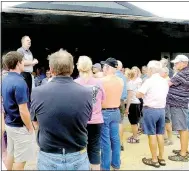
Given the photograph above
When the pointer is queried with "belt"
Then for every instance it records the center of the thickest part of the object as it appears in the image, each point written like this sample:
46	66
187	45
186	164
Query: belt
115	108
147	107
27	72
62	151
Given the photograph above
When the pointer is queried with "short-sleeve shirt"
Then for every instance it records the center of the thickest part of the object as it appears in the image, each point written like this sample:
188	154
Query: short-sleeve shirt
14	93
4	73
132	86
27	56
62	108
138	82
178	95
122	76
155	90
98	96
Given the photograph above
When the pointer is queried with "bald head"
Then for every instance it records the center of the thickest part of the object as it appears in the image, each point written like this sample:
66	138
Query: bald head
120	65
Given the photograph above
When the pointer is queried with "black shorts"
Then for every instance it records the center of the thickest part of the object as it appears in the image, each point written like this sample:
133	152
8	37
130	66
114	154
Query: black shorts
93	147
134	114
141	105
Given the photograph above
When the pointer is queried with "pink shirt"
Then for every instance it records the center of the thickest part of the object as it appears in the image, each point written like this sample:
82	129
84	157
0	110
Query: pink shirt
98	96
155	90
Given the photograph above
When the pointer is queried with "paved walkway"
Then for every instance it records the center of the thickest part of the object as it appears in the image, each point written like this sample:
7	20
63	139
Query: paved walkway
131	157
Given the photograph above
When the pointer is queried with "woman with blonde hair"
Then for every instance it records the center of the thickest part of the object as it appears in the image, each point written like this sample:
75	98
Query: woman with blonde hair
133	106
86	79
127	71
137	72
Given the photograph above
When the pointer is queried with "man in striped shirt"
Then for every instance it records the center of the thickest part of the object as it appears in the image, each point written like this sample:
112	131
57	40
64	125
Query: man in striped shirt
177	100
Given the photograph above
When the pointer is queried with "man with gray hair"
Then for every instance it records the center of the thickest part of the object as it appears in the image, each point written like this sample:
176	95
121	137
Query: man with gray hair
65	112
165	63
154	92
29	62
97	71
177	100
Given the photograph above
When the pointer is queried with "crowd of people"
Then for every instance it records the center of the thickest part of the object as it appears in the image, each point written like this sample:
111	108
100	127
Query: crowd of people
79	122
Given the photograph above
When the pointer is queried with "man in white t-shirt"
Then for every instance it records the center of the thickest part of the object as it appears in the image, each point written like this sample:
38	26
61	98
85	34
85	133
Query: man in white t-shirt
154	92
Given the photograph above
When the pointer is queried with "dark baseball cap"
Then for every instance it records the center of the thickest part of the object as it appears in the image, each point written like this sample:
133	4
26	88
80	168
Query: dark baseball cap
111	62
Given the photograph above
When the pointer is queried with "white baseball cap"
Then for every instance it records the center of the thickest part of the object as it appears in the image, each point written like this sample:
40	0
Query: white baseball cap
180	58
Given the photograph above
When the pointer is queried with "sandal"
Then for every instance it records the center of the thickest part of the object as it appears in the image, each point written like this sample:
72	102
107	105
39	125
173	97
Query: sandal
133	140
179	158
178	151
149	162
130	137
140	132
162	162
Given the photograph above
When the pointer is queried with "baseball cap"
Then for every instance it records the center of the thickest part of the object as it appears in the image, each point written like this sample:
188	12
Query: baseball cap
97	65
180	58
111	62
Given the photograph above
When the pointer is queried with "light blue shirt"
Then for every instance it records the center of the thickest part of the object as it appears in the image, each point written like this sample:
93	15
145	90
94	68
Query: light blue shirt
124	93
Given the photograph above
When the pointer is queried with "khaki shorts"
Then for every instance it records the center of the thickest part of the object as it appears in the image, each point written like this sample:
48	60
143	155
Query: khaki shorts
179	118
20	144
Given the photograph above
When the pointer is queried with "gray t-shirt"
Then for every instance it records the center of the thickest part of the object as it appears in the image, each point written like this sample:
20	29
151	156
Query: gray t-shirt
132	86
27	56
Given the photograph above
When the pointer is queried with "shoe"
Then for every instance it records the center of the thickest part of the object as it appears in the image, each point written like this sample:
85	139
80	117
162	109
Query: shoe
112	168
122	148
168	142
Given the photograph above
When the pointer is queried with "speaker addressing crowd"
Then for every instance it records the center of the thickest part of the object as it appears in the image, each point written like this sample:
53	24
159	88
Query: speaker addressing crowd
88	112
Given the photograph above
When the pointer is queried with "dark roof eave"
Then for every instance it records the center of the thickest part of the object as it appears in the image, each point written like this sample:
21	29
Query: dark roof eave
90	14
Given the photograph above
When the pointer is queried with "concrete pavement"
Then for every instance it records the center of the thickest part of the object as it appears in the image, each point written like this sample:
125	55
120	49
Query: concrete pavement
133	154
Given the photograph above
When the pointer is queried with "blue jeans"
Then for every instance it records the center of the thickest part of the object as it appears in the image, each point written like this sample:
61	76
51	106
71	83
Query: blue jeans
72	161
110	140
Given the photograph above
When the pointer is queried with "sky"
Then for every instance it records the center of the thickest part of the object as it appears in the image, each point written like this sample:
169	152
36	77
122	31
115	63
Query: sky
174	10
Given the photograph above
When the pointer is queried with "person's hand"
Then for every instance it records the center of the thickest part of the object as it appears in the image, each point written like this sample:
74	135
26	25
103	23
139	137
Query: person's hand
35	61
31	130
3	131
126	111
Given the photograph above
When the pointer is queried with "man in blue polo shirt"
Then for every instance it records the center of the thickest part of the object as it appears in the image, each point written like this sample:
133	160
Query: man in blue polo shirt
20	133
62	109
123	98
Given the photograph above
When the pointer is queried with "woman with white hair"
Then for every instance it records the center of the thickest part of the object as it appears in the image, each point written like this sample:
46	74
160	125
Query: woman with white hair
86	79
154	92
165	73
168	127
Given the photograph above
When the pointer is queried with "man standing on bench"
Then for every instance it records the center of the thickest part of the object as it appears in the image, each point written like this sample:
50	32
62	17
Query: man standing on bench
29	62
